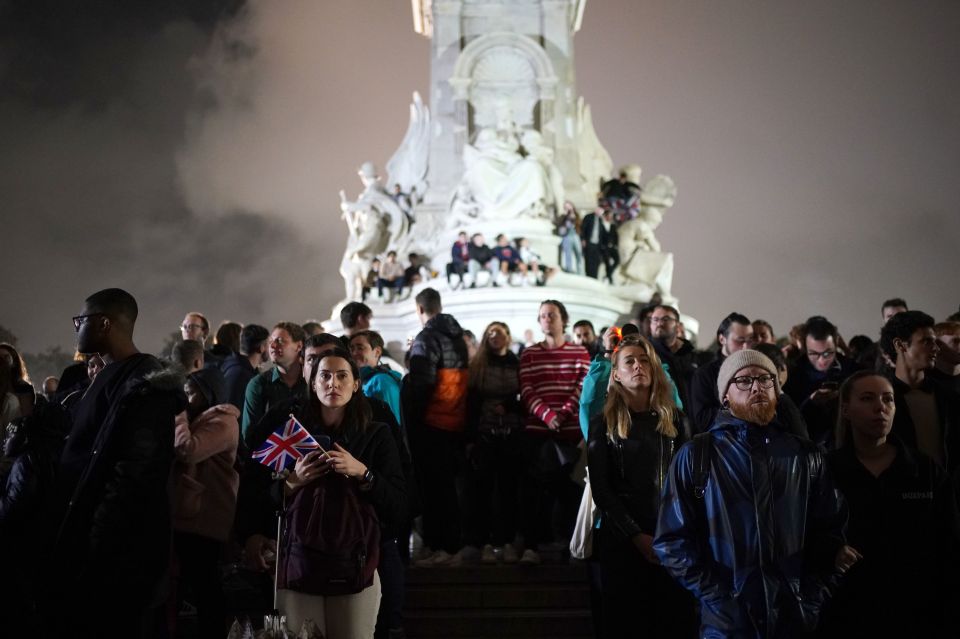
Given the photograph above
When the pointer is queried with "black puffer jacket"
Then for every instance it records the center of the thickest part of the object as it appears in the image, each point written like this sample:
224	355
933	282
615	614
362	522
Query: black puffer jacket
627	475
435	390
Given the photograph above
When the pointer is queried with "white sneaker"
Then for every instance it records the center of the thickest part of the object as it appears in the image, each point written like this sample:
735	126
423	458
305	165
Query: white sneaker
530	557
438	558
487	555
510	555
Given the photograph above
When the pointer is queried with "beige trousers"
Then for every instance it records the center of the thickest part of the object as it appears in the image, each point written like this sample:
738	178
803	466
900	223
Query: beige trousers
340	617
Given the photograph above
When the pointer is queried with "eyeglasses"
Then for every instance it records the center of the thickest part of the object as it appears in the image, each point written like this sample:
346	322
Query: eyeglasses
79	320
666	319
745	382
823	355
190	327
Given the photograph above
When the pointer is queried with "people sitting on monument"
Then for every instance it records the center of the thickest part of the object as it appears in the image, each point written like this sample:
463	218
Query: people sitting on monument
418	270
459	259
622	195
509	259
532	259
482	258
373	275
571	249
391	277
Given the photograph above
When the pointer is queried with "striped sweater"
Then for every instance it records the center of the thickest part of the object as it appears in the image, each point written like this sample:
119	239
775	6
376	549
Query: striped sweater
550	381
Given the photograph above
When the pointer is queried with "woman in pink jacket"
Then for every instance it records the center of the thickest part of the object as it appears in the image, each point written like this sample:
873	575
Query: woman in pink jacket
206	493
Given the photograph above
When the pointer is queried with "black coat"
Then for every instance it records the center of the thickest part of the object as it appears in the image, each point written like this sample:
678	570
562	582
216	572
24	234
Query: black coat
113	537
905	525
948	411
237	373
704	403
627	475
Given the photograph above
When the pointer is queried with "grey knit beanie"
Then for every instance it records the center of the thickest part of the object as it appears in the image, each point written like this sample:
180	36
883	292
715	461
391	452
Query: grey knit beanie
740	360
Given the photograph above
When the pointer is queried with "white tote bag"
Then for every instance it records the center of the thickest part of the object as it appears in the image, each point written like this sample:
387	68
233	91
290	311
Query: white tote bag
581	543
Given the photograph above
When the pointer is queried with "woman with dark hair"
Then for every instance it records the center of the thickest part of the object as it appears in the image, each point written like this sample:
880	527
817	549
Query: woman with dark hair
494	427
227	339
20	379
360	466
629	451
901	579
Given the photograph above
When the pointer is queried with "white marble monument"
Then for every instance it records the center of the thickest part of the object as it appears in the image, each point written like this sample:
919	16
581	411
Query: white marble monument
505	142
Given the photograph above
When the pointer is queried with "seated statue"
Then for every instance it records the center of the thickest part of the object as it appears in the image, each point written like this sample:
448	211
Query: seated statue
503	183
641	257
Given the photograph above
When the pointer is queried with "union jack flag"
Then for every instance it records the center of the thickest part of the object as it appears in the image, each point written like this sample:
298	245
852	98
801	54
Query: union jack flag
285	446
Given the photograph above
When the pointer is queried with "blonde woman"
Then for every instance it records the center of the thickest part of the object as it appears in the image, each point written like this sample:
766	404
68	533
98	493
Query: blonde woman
630	447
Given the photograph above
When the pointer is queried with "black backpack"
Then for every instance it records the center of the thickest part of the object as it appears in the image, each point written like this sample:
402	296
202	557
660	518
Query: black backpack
331	539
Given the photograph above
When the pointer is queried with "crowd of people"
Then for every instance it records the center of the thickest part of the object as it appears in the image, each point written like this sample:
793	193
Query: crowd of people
806	486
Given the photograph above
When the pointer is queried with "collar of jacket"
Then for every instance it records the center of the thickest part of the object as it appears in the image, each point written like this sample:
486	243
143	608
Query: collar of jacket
904	462
902	388
727	421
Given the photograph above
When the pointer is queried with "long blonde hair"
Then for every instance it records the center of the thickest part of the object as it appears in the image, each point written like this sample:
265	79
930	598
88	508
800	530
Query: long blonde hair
616	410
478	365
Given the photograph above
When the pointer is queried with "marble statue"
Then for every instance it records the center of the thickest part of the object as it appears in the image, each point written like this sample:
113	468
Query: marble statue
409	164
595	162
375	224
641	257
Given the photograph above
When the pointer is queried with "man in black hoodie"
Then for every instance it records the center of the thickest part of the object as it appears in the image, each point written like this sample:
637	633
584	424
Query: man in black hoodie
239	368
435	409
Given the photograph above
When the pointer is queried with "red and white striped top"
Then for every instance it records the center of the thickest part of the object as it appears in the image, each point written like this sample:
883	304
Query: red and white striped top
550	382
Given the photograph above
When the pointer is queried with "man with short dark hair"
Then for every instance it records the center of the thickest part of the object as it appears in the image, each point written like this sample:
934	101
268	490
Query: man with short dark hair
815	377
283	381
312	327
666	336
435	406
355	316
891	307
927	416
112	529
758	535
585	335
188	355
735	333
946	372
238	369
482	258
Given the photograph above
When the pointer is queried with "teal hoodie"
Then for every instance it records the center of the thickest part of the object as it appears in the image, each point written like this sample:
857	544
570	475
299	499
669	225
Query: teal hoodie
384	384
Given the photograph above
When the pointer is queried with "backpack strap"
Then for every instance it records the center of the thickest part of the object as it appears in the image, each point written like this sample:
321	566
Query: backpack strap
702	450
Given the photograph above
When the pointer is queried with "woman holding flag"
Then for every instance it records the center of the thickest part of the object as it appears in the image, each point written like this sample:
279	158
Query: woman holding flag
351	482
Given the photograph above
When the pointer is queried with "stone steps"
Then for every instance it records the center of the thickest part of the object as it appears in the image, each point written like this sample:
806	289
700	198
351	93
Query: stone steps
470	602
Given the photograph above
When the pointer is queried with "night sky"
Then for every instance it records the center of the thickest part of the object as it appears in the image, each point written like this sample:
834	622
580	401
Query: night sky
192	151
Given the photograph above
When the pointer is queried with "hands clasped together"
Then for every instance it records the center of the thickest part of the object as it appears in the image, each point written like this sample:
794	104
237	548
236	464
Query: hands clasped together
316	464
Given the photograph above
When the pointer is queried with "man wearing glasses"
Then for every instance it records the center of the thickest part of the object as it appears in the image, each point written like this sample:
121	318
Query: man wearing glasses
111	521
750	522
814	379
667	338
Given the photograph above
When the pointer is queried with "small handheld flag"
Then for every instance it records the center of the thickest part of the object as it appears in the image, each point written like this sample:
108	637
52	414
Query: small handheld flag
285	446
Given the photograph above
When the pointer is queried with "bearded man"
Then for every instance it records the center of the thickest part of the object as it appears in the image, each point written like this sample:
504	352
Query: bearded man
751	523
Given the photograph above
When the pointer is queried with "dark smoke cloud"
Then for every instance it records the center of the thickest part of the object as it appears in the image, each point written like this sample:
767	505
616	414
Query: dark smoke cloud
93	113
